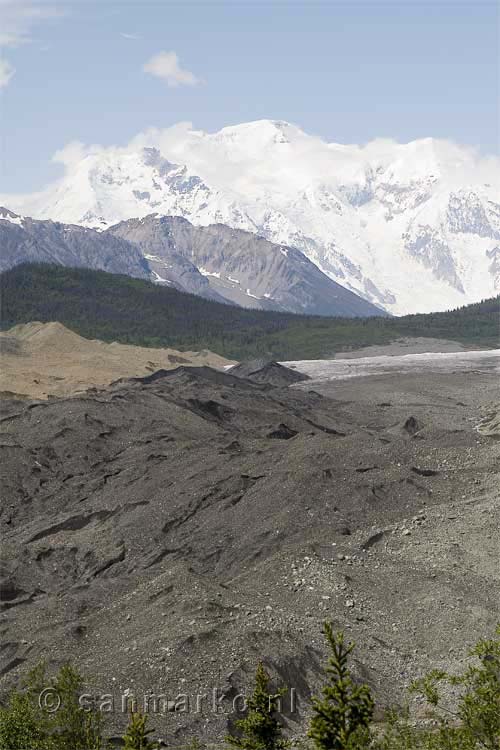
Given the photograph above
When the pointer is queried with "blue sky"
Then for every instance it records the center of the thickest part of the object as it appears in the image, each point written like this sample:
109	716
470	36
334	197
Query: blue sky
348	71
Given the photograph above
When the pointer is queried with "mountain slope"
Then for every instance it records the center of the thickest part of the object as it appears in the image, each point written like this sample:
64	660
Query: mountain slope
118	308
25	240
238	267
214	262
383	220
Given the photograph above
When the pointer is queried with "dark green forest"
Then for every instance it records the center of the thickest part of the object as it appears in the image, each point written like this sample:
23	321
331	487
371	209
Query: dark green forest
111	307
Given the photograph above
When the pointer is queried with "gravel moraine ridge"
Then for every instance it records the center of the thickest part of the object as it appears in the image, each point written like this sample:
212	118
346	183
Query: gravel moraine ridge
166	532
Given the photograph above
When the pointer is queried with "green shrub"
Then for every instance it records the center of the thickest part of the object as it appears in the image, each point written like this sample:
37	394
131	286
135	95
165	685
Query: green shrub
465	717
26	725
21	725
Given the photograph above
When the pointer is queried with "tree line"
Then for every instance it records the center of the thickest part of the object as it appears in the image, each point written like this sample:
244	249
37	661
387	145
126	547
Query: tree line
111	307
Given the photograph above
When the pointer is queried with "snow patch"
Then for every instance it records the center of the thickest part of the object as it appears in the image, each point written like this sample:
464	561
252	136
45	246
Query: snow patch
160	279
249	294
13	219
204	272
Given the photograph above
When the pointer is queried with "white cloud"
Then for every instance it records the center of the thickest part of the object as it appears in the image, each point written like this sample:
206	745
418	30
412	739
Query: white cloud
166	65
71	153
257	166
17	19
125	35
6	73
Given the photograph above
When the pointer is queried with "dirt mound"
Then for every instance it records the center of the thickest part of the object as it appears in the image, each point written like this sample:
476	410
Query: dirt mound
190	375
269	372
47	359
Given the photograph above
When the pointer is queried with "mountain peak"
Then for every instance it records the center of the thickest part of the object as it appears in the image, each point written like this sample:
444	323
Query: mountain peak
261	131
370	217
11	217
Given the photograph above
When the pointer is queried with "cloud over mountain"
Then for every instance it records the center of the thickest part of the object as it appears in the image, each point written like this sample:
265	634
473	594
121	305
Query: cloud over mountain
383	220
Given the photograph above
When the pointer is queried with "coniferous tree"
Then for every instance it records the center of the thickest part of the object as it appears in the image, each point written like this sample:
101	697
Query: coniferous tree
260	730
342	715
136	736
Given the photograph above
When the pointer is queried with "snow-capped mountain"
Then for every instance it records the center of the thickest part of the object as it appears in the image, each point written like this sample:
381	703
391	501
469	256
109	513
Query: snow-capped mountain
410	227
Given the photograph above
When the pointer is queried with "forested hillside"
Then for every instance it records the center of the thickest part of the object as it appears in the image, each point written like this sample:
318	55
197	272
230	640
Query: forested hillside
110	307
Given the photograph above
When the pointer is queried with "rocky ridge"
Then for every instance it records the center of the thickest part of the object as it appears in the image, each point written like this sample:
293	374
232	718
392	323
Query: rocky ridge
216	262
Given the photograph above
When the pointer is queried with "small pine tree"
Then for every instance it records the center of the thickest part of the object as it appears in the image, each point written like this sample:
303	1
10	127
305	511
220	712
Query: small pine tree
260	730
136	736
342	716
